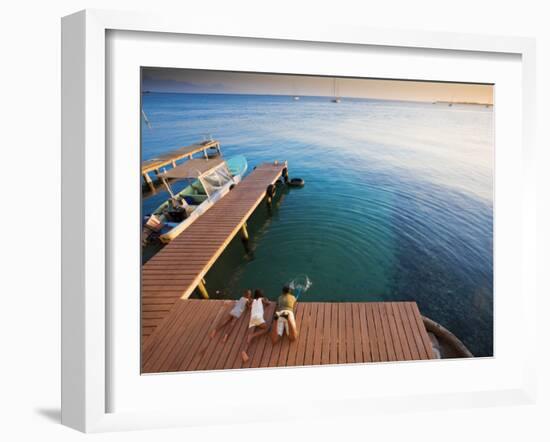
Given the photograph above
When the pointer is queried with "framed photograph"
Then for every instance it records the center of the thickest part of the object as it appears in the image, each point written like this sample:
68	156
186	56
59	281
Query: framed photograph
341	216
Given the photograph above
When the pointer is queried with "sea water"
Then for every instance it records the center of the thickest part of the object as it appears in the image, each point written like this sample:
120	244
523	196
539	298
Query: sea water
397	205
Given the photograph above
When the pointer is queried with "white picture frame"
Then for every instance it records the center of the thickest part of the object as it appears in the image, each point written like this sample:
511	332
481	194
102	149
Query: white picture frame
86	356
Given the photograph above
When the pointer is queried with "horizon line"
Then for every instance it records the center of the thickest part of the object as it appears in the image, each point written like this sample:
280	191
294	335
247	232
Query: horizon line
146	91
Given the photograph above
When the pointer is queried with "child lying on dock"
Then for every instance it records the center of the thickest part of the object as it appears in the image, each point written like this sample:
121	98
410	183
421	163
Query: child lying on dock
232	316
284	319
258	324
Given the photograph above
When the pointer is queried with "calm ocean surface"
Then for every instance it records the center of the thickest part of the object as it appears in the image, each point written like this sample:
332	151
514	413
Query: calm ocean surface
398	201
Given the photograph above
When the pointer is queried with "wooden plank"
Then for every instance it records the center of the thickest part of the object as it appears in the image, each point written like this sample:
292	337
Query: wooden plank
156	342
342	358
349	333
423	332
182	356
407	356
375	352
308	357
327	328
358	349
266	355
302	330
202	357
379	332
365	336
422	353
408	331
333	357
319	335
303	337
386	330
399	355
167	337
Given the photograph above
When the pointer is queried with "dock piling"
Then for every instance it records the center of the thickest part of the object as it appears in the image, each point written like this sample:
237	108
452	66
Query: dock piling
202	289
285	175
270	193
244	233
149	181
245	238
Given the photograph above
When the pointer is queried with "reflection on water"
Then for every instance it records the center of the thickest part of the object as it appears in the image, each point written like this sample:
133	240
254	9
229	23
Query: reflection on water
397	203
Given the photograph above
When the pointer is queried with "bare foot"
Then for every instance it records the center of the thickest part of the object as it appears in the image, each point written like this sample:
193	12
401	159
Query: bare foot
224	340
244	356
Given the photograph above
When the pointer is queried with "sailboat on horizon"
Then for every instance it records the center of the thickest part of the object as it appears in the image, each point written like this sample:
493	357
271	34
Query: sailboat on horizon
295	96
336	98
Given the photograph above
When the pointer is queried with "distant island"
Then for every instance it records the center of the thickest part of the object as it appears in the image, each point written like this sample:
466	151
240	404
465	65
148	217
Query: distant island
450	103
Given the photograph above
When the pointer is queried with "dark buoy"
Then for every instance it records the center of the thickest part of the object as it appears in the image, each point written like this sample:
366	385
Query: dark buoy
296	182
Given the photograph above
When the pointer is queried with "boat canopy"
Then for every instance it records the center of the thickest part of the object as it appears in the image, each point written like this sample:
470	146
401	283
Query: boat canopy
193	168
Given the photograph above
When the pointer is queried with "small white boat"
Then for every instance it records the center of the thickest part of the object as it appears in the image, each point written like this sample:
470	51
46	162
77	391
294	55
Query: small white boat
210	180
296	98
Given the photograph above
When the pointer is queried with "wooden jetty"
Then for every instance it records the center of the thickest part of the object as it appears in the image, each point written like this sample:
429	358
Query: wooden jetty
180	267
329	333
170	158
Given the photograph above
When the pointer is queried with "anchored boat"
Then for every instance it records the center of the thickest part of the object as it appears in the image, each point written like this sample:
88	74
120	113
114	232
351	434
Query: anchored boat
209	180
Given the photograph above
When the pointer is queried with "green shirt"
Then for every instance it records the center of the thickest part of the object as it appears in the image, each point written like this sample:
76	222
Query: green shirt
286	302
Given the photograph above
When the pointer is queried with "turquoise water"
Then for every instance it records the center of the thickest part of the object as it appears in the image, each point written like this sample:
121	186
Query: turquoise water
398	201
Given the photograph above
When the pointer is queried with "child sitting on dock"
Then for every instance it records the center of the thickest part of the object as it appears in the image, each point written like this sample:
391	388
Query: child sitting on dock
232	316
284	319
257	320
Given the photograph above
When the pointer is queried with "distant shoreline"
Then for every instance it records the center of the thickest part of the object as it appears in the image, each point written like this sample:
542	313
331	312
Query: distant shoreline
463	102
147	92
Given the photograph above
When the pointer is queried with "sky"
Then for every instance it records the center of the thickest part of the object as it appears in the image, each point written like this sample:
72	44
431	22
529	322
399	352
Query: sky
204	81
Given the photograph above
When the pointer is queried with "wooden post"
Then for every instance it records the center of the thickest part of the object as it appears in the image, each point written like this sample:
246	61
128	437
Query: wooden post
245	238
149	182
285	175
205	154
244	233
270	193
202	289
173	163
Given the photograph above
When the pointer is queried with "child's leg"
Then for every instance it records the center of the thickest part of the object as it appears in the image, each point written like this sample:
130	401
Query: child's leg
275	331
247	341
260	330
292	328
232	323
221	325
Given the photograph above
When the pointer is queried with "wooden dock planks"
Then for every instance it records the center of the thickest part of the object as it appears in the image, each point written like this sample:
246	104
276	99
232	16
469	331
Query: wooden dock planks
171	157
329	333
176	270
